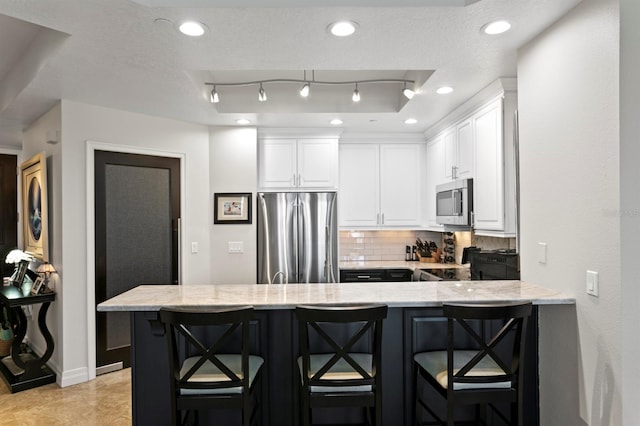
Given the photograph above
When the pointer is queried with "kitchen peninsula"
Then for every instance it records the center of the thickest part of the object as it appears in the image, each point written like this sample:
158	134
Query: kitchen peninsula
414	323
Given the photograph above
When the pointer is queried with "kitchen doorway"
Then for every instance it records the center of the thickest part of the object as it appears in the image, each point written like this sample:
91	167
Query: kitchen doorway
9	210
137	219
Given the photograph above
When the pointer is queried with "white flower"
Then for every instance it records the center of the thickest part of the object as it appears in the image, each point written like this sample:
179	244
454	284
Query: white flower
17	256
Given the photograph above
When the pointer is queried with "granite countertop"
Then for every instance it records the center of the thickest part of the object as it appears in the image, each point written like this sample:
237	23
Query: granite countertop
287	296
397	264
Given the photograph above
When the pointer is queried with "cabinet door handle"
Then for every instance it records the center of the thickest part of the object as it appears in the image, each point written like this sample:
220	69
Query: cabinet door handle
377	218
294	179
382	219
300	181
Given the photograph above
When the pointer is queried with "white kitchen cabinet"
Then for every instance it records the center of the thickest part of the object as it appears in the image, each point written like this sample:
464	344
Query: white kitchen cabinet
488	185
495	168
458	151
298	163
477	141
435	175
380	185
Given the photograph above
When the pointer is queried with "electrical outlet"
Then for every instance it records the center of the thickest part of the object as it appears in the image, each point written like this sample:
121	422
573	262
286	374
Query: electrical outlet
235	247
592	283
194	247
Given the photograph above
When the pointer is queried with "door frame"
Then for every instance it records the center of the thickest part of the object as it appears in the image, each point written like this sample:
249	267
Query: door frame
93	146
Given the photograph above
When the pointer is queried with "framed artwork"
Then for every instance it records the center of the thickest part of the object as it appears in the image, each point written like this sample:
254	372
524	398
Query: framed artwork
38	286
232	208
35	218
18	276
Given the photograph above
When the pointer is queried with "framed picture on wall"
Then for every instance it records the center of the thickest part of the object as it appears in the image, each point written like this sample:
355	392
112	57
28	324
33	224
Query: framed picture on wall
35	217
232	208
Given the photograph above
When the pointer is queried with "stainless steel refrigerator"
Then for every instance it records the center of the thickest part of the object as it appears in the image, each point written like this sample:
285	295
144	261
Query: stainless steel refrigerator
297	237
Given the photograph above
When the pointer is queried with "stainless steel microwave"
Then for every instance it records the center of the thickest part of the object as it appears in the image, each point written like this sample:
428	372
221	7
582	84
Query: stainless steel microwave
454	203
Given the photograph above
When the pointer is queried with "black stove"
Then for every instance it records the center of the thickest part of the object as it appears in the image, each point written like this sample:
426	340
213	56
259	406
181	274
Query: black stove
501	264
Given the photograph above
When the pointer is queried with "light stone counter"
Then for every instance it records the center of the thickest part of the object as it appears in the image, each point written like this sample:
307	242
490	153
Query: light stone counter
278	296
397	264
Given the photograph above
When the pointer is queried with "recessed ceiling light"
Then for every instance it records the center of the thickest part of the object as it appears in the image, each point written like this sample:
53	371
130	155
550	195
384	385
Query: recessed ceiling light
343	28
444	90
192	28
496	27
243	121
410	121
336	122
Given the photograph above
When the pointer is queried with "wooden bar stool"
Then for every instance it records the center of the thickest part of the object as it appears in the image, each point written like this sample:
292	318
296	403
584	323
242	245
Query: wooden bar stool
216	375
488	373
340	363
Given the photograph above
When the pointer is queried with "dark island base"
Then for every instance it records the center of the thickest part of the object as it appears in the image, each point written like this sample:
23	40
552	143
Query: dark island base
274	336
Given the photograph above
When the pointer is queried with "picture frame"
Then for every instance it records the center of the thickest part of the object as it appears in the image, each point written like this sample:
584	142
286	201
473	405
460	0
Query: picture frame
34	212
232	208
20	272
38	286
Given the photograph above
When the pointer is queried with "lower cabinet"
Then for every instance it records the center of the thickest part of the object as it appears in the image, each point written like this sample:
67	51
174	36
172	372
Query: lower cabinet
274	336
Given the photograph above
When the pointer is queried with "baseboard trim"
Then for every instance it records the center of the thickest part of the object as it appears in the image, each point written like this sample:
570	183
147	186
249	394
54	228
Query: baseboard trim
73	377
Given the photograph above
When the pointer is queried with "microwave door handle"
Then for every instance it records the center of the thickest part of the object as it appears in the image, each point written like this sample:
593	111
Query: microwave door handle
454	194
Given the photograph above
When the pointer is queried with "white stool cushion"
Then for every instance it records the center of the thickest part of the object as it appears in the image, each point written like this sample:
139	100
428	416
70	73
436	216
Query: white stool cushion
435	363
341	370
208	372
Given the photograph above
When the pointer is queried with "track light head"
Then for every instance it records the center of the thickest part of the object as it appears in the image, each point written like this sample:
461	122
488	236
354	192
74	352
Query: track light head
262	95
304	92
214	96
356	94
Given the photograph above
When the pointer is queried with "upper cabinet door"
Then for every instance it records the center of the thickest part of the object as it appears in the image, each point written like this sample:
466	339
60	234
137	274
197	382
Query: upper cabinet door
317	163
298	163
464	162
434	176
400	197
450	154
359	196
488	183
278	167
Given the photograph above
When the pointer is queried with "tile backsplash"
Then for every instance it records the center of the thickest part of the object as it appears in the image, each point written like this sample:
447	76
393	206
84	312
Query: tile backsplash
390	245
380	245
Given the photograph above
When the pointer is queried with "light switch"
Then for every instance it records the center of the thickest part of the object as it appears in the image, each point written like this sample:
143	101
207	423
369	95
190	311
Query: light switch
592	283
194	247
235	247
542	252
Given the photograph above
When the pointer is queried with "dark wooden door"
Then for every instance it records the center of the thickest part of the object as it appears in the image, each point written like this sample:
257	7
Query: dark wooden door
137	211
8	210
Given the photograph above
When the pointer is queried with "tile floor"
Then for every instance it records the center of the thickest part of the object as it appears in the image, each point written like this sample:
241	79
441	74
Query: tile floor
104	401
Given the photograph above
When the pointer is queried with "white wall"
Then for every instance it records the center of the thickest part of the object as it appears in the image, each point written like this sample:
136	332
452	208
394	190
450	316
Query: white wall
630	205
234	168
35	141
569	156
82	123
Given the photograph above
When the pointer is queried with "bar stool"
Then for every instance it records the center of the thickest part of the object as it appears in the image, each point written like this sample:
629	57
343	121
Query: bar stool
211	376
489	373
340	364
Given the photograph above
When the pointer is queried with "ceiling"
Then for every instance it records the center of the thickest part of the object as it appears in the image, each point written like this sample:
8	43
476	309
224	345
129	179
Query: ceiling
128	55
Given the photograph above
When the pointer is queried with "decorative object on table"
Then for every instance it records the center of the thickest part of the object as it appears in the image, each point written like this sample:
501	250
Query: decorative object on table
38	286
449	247
232	208
6	333
47	269
35	218
21	261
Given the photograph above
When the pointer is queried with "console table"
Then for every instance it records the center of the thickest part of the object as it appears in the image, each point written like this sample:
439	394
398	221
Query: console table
25	370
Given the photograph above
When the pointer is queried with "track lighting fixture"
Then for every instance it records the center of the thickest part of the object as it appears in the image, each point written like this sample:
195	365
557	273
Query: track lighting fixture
262	95
408	93
306	86
356	95
214	96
